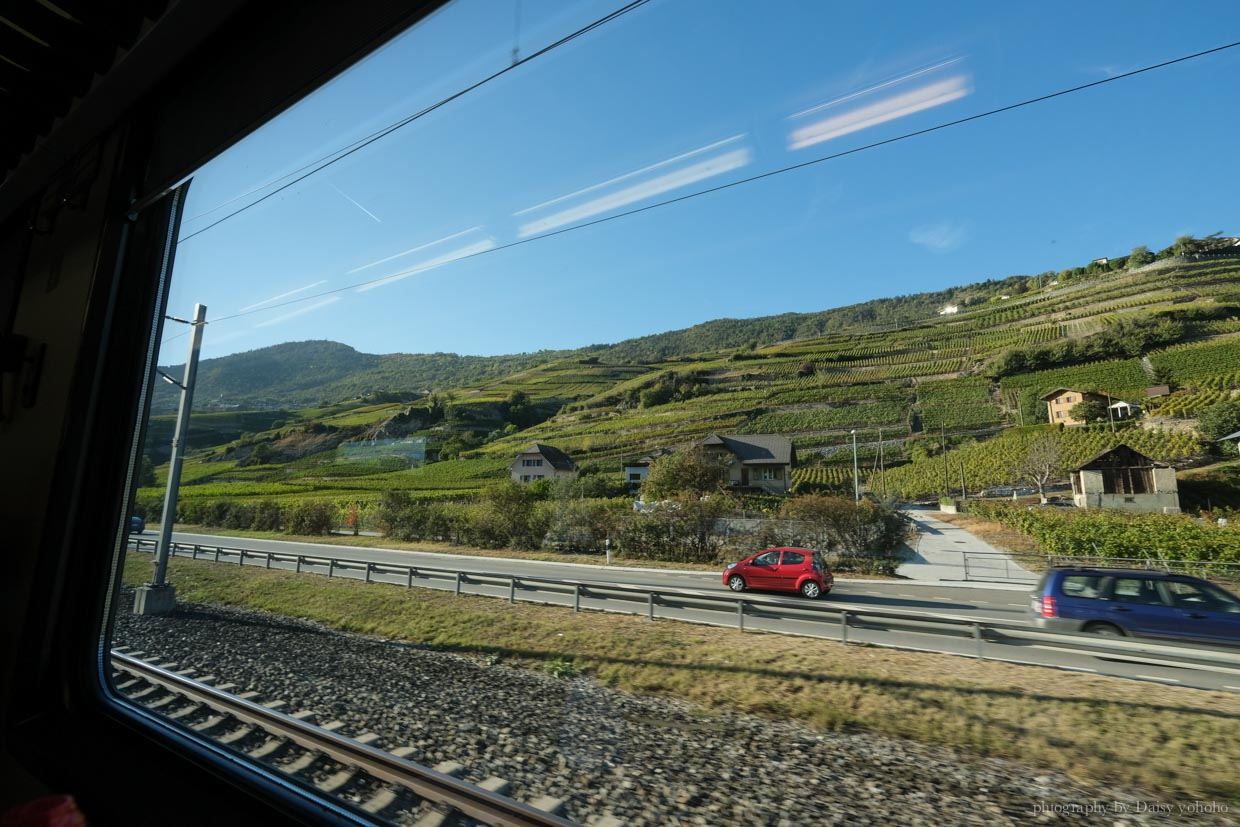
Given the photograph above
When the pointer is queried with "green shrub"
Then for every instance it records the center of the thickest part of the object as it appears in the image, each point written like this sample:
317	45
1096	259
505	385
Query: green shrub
310	518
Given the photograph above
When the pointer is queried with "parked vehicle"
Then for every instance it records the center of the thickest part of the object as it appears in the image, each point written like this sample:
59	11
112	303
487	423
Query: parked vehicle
800	570
1141	603
137	525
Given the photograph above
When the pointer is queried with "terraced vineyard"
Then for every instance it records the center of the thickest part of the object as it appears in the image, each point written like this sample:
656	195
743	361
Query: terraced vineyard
893	384
997	461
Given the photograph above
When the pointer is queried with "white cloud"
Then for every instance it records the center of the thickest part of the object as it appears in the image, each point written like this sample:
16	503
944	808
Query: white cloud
301	311
940	237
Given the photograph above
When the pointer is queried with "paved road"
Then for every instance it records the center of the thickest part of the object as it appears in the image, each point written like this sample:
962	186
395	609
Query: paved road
997	602
776	613
944	551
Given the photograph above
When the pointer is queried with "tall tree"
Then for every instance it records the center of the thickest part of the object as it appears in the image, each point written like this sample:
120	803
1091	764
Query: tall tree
692	472
1042	462
1088	411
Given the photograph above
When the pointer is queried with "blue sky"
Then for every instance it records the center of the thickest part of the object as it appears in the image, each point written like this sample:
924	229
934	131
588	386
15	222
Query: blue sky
400	246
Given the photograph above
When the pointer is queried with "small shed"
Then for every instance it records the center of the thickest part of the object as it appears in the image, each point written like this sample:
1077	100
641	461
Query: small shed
1124	410
1127	480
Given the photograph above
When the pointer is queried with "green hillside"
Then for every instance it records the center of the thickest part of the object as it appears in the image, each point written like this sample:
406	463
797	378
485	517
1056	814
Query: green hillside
968	375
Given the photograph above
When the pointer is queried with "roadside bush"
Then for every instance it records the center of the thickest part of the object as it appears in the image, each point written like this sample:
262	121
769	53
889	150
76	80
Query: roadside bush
310	518
267	516
238	516
682	530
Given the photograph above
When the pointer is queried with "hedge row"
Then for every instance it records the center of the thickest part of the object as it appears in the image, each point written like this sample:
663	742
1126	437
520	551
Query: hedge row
1104	533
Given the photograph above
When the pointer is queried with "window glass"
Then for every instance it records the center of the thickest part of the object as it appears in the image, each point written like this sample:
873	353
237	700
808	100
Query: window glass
710	236
1137	590
1079	585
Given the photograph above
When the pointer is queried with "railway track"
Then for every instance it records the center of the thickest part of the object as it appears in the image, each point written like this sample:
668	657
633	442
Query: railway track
357	769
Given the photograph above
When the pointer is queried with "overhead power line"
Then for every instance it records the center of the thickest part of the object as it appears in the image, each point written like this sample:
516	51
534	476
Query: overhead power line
751	179
340	154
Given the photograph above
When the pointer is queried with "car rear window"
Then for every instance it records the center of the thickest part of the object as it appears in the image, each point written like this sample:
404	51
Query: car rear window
1082	585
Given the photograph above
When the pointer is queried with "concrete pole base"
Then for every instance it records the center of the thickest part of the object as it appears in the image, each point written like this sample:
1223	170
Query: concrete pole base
155	600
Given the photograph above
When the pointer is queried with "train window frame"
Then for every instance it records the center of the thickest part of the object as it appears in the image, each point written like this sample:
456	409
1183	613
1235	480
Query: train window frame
65	728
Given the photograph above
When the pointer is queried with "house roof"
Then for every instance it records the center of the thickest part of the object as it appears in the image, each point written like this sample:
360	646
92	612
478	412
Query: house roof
1121	456
558	459
1047	397
755	449
1236	435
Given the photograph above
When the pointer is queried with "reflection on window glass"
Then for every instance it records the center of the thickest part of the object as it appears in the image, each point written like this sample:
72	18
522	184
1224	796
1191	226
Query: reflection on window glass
529	324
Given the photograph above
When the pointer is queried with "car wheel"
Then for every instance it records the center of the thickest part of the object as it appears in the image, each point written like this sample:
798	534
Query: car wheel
736	583
1104	629
810	589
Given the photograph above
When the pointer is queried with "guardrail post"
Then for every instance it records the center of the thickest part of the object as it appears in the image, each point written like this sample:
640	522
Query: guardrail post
331	566
409	585
269	559
196	550
650	605
458	584
217	553
512	590
843	627
576	597
300	560
740	615
369	566
241	557
977	637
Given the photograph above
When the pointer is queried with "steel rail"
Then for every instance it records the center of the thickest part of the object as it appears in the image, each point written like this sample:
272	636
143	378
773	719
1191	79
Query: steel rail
432	786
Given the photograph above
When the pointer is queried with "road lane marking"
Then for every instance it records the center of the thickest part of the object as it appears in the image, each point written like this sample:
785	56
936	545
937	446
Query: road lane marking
1159	680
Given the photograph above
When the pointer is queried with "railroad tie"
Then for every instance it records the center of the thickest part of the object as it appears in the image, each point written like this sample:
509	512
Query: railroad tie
338	780
235	735
496	785
548	804
380	801
267	747
306	759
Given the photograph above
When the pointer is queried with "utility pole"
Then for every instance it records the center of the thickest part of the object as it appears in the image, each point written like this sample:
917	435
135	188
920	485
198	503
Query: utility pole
964	494
159	597
882	469
856	479
947	486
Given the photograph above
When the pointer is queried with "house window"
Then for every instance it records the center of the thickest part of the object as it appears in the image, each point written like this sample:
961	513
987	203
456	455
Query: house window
525	478
1059	414
769	474
635	476
531	463
1067	400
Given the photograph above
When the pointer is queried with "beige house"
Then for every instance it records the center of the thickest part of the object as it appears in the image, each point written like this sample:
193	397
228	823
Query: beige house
1124	479
762	461
1060	401
539	462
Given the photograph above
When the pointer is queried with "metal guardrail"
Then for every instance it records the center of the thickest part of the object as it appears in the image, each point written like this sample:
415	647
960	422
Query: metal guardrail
740	609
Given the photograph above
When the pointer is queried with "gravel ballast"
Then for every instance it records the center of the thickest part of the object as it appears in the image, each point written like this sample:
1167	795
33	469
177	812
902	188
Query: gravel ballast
641	761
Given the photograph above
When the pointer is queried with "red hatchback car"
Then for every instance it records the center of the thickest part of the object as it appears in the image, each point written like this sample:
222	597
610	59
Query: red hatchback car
781	569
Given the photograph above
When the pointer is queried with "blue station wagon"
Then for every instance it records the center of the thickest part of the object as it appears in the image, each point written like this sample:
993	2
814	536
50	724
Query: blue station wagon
1140	603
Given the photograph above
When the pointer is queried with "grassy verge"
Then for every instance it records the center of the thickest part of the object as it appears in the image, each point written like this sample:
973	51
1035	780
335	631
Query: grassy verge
996	534
1170	740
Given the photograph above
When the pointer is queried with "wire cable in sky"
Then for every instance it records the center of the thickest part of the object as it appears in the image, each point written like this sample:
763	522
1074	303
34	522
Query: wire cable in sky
769	174
340	154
